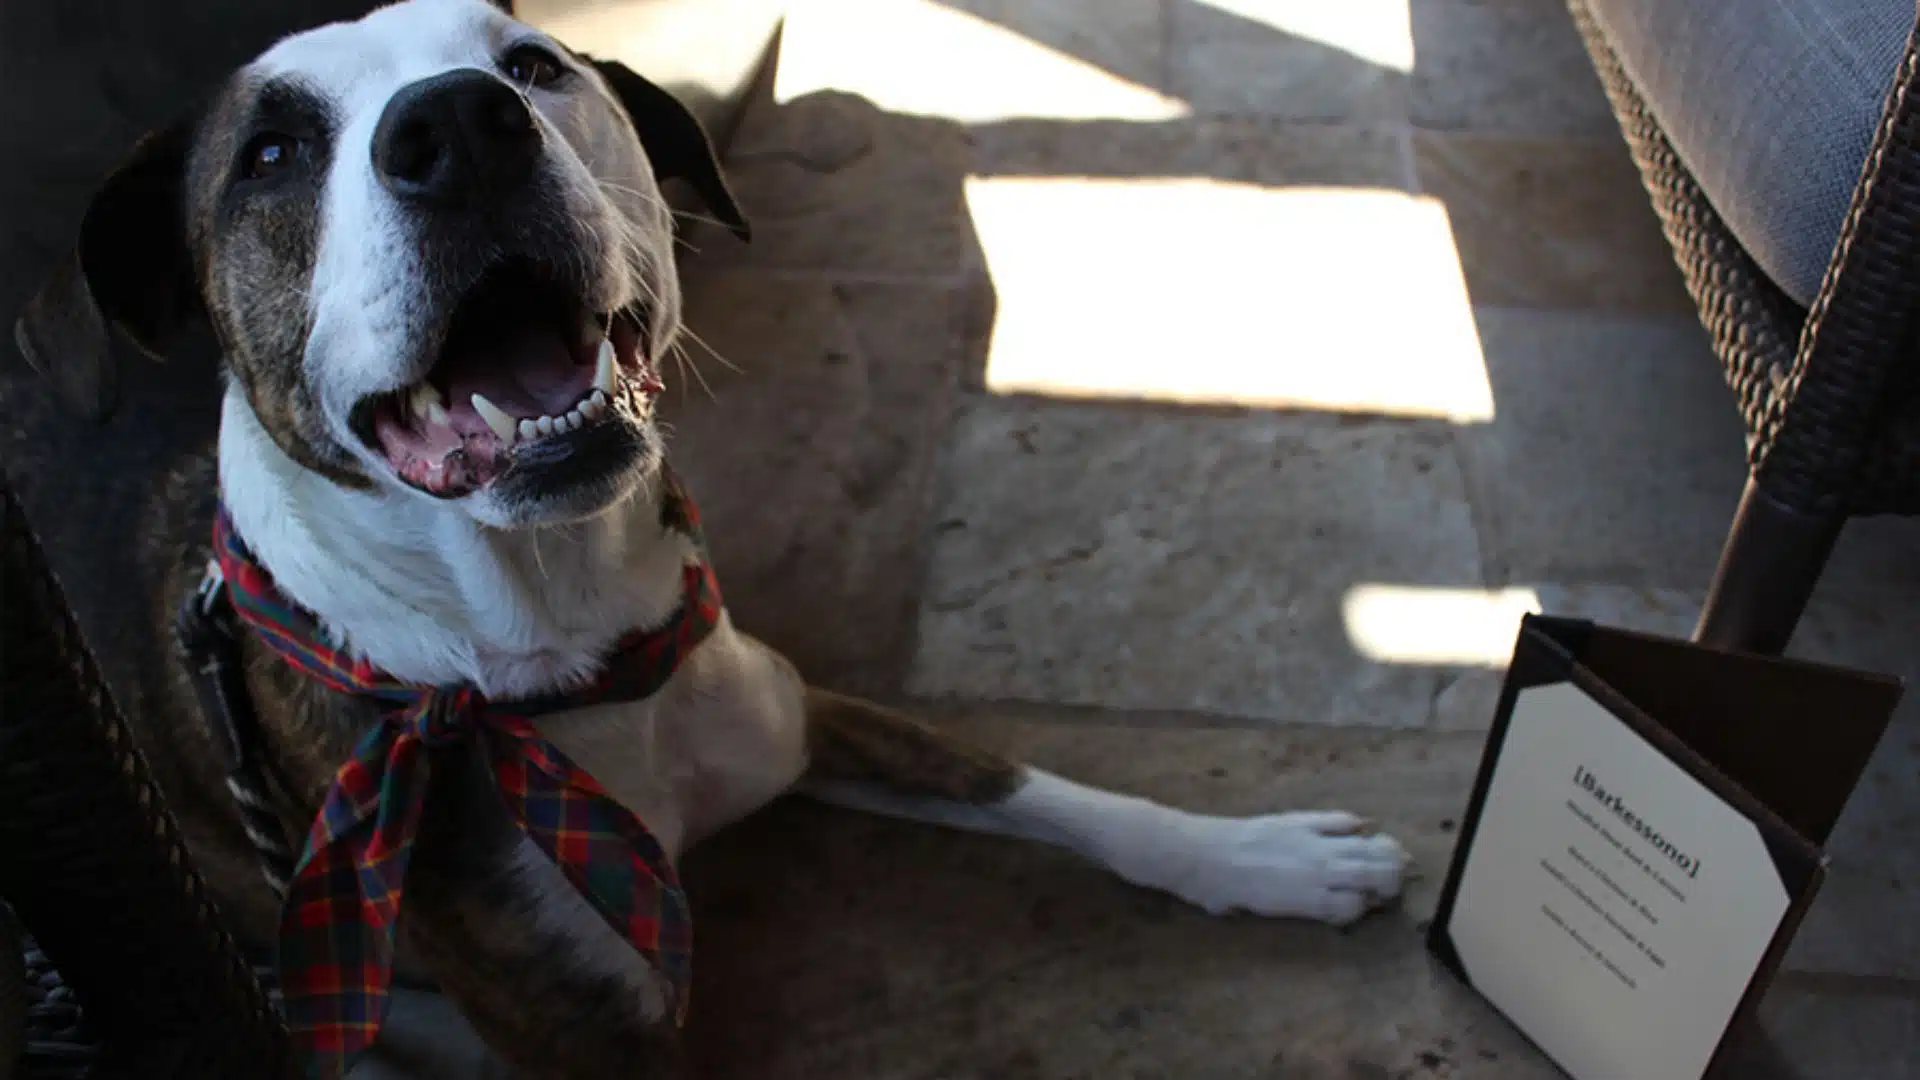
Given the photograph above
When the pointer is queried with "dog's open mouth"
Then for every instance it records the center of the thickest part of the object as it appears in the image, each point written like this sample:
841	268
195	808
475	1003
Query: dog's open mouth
525	365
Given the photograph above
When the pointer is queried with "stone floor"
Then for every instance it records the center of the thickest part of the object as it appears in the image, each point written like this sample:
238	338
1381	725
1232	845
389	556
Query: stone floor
1189	396
1203	388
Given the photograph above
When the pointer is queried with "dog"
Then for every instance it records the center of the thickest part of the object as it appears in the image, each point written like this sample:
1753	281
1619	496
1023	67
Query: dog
432	248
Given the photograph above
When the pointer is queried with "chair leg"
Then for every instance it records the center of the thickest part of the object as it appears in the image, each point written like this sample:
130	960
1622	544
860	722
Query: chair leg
1773	558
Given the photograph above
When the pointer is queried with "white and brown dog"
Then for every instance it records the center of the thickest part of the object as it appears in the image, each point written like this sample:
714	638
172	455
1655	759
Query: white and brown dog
432	247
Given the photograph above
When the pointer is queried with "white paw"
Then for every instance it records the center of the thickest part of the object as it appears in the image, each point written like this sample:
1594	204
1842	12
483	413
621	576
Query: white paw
1323	865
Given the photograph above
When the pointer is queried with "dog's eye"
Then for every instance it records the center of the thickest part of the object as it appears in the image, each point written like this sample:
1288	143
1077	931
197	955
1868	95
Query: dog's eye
269	154
531	65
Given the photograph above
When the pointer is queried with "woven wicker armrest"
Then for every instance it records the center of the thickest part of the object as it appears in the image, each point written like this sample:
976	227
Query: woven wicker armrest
93	864
1753	325
1827	394
1824	392
1831	439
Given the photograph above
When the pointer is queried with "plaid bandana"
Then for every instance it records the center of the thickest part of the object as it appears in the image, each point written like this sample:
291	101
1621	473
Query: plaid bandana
337	928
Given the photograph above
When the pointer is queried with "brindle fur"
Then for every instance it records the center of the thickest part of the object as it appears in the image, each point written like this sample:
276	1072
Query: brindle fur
465	922
520	982
853	740
466	925
255	265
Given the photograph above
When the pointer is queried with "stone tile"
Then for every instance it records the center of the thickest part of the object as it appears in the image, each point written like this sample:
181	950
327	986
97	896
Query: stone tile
1206	292
1468	701
1614	455
1807	1034
836	186
1238	149
1873	555
1035	226
1667	612
986	958
813	458
978	61
1140	559
1124	37
1294	59
1551	223
1512	66
1863	922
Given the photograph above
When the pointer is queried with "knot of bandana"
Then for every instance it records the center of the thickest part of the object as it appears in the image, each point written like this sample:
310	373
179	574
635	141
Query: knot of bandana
449	721
337	928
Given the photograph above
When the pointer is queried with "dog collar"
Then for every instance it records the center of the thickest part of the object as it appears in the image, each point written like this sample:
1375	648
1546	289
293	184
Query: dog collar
336	948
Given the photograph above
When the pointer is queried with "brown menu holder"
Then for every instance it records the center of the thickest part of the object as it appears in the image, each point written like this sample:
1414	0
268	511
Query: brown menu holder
1613	889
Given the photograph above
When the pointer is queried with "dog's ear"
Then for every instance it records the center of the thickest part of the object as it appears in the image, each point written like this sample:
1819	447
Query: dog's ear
675	141
130	268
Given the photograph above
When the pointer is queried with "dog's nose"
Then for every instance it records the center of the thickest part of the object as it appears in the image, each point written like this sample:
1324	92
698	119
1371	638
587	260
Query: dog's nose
464	136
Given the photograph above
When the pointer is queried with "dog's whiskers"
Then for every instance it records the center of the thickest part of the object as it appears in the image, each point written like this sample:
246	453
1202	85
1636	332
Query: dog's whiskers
684	364
661	204
586	224
633	253
711	351
538	563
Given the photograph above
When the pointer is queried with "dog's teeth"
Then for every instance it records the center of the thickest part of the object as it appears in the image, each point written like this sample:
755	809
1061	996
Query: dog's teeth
576	420
560	425
496	418
603	368
594	407
529	430
437	413
424	397
545	424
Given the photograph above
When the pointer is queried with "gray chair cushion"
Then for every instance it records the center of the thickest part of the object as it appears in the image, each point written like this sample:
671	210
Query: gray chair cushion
1771	104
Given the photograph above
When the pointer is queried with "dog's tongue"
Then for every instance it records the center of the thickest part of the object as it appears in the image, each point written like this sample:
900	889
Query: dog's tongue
526	373
530	373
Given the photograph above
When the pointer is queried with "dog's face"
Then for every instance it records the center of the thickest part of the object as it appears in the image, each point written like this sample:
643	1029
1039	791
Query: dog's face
432	246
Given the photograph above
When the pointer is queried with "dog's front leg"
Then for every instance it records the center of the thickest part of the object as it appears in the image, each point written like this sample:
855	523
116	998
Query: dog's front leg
549	986
1325	865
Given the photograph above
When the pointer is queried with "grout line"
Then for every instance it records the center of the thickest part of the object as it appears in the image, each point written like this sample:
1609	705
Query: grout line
968	709
1166	87
1409	161
1848	984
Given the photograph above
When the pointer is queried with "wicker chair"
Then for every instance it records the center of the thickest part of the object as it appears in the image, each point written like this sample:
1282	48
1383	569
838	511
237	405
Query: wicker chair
1828	394
95	869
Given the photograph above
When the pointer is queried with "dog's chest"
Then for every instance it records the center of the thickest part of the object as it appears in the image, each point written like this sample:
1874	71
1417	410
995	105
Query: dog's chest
724	737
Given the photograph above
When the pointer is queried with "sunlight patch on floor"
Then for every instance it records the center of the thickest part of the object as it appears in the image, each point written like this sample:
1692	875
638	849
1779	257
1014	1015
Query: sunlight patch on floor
1201	292
918	56
1377	31
1402	624
651	37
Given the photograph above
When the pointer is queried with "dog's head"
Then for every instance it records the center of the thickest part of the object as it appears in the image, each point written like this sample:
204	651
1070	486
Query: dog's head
432	246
